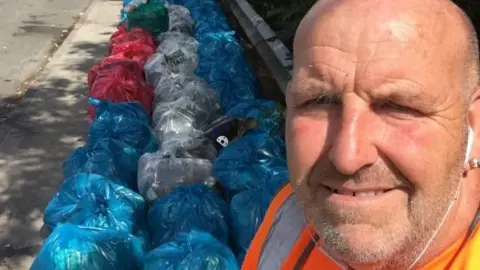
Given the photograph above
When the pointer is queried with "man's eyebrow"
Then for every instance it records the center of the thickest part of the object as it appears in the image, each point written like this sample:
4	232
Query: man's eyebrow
400	97
406	96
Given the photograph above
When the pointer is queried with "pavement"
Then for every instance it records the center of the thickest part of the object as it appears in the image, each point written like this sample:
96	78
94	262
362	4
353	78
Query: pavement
44	127
30	31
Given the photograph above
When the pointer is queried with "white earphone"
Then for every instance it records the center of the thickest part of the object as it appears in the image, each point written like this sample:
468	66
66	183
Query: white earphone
469	143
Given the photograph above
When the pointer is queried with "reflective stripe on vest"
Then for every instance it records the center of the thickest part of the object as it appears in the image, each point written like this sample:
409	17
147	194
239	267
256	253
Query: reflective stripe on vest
284	233
283	240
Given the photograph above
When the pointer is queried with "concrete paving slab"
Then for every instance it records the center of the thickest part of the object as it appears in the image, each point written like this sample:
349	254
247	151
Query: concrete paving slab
29	31
42	130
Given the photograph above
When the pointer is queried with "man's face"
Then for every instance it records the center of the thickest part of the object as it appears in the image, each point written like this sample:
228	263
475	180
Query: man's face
375	130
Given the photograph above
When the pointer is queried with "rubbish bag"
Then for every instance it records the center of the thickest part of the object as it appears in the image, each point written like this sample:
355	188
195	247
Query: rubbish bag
179	50
108	158
114	63
175	86
247	210
135	50
187	208
122	35
129	5
209	19
71	247
171	86
226	129
267	113
93	201
126	122
198	9
233	80
191	251
182	116
151	16
251	162
158	175
180	19
195	146
205	26
119	81
156	68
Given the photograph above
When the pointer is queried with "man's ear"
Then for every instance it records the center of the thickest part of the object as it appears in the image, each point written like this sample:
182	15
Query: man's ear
474	123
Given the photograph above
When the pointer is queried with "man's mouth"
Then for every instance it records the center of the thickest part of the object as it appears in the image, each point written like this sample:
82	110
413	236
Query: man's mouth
363	193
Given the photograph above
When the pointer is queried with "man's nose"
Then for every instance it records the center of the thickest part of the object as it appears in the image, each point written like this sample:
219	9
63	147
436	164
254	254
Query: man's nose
352	145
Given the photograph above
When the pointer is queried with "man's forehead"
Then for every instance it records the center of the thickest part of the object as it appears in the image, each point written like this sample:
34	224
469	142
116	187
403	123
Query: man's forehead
347	27
390	40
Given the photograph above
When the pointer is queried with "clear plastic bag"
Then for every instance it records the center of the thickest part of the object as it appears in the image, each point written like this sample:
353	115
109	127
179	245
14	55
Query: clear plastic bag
195	146
187	208
183	116
71	247
93	201
158	175
170	86
180	51
177	85
191	251
180	19
254	161
155	69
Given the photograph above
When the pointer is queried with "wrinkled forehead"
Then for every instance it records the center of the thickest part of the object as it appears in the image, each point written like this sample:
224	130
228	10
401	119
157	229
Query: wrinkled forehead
358	43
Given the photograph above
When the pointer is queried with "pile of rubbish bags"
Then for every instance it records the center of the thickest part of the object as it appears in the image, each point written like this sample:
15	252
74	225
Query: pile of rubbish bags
182	157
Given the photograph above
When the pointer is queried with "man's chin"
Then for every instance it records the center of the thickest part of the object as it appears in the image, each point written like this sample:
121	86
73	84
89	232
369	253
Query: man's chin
358	243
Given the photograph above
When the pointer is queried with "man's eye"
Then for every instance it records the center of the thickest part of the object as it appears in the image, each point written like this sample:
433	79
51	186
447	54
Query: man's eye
388	105
323	100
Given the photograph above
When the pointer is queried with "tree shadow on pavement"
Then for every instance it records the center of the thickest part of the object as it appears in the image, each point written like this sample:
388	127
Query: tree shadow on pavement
36	137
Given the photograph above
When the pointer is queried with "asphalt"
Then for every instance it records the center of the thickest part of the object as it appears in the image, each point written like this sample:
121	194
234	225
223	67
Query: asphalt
29	31
41	130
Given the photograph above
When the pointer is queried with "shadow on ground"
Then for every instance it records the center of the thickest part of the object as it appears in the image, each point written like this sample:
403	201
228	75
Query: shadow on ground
35	138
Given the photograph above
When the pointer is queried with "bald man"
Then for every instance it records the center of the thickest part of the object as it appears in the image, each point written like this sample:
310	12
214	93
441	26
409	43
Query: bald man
383	96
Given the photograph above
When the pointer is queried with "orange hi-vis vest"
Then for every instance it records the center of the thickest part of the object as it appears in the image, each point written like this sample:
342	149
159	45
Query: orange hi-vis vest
284	242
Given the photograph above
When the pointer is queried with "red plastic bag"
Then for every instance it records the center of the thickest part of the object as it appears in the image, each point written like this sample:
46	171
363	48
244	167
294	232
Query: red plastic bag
105	67
135	50
118	80
135	34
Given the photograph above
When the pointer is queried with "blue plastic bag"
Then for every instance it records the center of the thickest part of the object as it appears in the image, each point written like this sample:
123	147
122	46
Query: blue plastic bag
71	247
126	122
93	201
254	161
191	251
247	210
107	158
204	26
119	134
196	4
267	113
233	80
186	208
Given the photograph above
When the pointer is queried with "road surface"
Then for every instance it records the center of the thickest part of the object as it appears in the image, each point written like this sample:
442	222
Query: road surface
29	30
